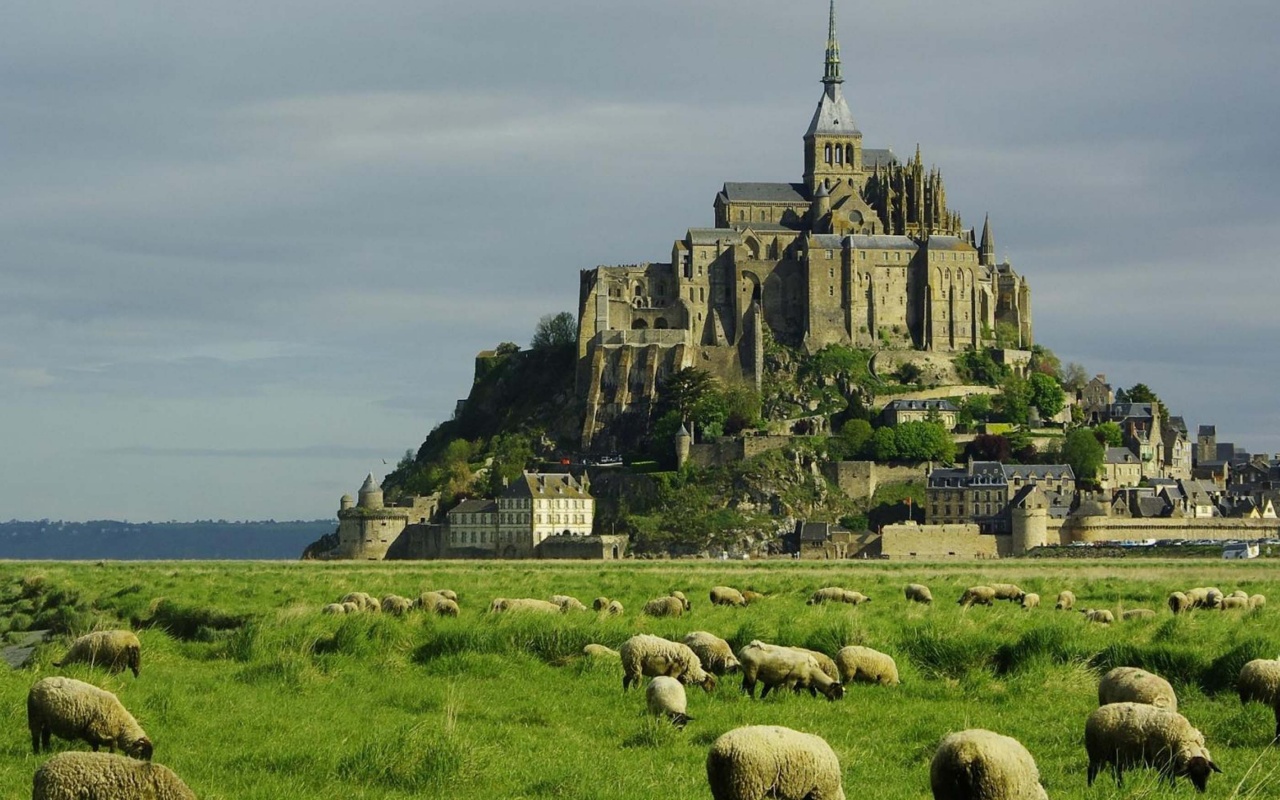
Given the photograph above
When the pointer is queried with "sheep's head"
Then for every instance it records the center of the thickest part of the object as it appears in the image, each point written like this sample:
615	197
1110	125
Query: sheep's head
138	748
708	682
835	691
1197	769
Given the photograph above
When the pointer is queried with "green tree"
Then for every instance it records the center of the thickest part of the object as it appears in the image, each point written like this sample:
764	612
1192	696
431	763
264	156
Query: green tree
978	366
1073	377
742	404
554	331
1084	453
852	442
1014	400
1046	394
884	444
924	441
1141	393
1044	360
684	389
512	454
1112	435
1007	335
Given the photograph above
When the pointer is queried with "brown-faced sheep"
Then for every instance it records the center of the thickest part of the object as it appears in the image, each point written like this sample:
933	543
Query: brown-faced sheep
105	776
684	600
614	608
859	664
114	650
977	596
668	606
760	762
983	765
1066	600
918	593
773	665
1133	685
715	653
1259	682
1135	734
1030	600
648	655
77	710
665	697
825	662
726	596
1179	603
600	603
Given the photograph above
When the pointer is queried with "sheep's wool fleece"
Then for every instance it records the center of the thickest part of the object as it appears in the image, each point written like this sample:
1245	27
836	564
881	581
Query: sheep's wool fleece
983	764
105	776
769	761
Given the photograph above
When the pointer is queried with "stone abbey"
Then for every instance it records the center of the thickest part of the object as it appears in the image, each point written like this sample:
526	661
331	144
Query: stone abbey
863	252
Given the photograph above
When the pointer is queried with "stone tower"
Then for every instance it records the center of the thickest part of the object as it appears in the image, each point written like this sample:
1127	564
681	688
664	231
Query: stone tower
833	143
683	444
370	494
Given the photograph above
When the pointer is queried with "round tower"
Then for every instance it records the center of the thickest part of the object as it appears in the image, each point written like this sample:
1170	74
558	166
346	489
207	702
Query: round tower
370	494
1029	529
346	502
683	444
820	210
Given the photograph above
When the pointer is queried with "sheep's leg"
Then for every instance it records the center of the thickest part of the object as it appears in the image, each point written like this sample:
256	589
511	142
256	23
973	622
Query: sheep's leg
1093	771
765	691
1277	710
35	741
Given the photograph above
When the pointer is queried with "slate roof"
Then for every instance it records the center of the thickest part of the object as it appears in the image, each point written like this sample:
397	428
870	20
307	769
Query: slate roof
832	117
476	506
1119	455
546	484
815	531
713	235
1150	507
1038	471
1178	424
948	243
920	405
1208	430
1131	411
827	241
862	242
790	193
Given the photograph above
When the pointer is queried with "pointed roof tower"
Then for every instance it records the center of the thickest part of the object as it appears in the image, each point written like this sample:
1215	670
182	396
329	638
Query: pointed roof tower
832	118
987	248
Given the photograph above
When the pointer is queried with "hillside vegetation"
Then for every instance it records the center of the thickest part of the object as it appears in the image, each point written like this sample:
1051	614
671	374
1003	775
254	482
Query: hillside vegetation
250	693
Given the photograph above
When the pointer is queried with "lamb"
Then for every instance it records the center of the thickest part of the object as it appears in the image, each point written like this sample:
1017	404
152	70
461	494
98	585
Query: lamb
918	593
77	710
751	596
1101	616
1008	591
1137	613
567	603
835	594
1257	600
796	669
1030	600
977	595
114	650
1259	682
644	654
978	764
1133	685
768	761
1231	602
105	776
715	653
334	608
1179	603
727	596
594	650
665	697
600	603
1066	600
668	606
863	665
396	605
1131	734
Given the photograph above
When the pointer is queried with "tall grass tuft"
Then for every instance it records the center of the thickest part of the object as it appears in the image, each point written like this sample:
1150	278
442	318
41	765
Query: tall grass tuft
421	758
192	623
1057	642
1222	673
938	651
1179	665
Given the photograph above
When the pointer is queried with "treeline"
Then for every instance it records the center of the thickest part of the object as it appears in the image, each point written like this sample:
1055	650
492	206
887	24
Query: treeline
131	541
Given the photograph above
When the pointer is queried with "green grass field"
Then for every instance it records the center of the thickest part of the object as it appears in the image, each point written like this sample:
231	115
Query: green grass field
249	692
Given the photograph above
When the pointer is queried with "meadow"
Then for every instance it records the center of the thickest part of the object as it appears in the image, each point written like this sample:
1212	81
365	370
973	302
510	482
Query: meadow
250	693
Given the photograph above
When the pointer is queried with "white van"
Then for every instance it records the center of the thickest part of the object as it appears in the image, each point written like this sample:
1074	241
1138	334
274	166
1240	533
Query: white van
1239	550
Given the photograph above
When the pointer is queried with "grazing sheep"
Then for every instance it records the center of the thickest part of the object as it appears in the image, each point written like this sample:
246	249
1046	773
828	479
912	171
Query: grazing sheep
351	607
448	594
1132	734
1133	685
105	776
1137	613
918	593
446	608
684	600
979	764
334	608
795	669
1232	602
726	596
600	603
768	761
567	603
599	651
1198	597
614	609
1257	600
1008	591
715	653
668	606
1030	600
859	664
825	662
1101	616
977	596
1213	598
1179	603
365	601
751	596
665	697
1259	682
834	594
502	605
1066	600
396	605
77	710
114	650
644	654
1241	593
437	603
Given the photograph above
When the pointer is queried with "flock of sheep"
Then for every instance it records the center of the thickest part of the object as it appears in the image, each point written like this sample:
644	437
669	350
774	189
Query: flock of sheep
1136	724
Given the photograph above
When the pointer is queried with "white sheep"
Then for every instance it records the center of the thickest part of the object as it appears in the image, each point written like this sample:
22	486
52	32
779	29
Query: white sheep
715	653
768	761
1137	613
825	662
774	665
114	650
726	596
105	776
835	594
77	710
977	596
859	664
448	594
1180	603
1030	600
334	608
1136	734
1259	682
751	596
918	593
665	697
396	605
437	603
351	607
1213	597
1066	600
522	604
668	606
1241	593
567	603
365	601
1101	616
1134	685
594	650
978	764
1257	600
683	600
1232	602
1008	591
644	654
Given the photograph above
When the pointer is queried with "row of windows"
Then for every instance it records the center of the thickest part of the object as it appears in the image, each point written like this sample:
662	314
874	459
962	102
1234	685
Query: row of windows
838	154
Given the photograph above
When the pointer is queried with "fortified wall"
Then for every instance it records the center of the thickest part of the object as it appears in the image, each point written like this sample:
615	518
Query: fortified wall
859	479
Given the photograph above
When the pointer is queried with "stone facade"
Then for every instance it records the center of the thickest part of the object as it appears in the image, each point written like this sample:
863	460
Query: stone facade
864	252
368	529
909	540
900	411
534	507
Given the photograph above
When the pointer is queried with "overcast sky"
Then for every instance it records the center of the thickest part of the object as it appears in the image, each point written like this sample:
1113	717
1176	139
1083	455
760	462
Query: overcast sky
251	248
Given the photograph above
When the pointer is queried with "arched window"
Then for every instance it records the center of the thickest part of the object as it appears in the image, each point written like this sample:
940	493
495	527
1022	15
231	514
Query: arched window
839	154
848	153
827	150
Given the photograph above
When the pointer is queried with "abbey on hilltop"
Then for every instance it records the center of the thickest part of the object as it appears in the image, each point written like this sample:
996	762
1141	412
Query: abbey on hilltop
864	252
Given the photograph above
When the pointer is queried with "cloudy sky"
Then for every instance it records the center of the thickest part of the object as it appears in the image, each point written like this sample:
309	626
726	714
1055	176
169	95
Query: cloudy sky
250	248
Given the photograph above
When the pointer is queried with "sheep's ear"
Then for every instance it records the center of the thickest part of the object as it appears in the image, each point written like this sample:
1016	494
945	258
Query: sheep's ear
1214	767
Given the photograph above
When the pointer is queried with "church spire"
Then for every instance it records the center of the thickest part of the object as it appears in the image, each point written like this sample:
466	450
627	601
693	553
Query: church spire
987	247
832	72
